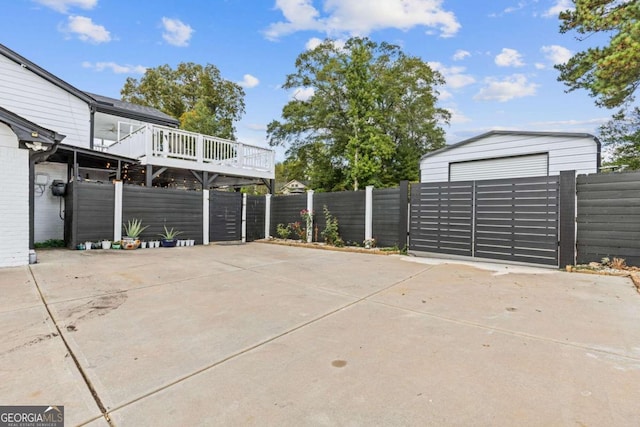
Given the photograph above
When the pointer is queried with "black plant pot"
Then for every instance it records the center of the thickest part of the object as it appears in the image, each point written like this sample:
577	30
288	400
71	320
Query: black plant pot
168	243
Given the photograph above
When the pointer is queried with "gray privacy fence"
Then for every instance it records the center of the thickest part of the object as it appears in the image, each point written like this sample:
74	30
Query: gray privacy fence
371	214
608	217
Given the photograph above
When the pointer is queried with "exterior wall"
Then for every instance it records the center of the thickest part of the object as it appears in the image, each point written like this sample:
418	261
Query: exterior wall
14	200
565	153
28	95
48	224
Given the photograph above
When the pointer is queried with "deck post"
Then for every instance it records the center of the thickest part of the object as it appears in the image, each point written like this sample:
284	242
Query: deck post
368	213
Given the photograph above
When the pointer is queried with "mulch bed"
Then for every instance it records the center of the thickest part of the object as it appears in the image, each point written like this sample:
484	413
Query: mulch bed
319	245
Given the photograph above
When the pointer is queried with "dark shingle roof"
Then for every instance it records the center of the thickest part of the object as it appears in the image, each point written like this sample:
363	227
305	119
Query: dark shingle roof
109	105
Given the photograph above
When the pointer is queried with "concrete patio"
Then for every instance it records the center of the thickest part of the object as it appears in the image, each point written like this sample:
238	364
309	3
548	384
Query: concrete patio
260	334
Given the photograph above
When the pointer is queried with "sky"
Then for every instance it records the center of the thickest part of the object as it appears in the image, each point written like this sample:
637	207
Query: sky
497	56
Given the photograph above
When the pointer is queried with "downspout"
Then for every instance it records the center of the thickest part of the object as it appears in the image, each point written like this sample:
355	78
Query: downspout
599	155
36	157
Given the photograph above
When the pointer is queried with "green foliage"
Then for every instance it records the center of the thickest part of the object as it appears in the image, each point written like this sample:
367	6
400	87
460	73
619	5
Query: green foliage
197	95
330	233
169	234
133	228
610	73
51	243
298	230
371	117
621	135
283	231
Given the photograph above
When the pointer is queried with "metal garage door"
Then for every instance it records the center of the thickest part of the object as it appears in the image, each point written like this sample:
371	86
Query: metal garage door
500	168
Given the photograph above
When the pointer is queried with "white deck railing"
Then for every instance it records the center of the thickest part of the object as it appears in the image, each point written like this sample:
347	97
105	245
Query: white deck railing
159	142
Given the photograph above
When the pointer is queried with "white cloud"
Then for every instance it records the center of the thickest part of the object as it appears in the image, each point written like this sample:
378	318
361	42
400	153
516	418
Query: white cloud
356	17
86	30
461	54
540	66
63	6
444	95
303	93
249	81
454	76
176	32
509	58
115	68
556	54
457	117
314	42
559	6
511	87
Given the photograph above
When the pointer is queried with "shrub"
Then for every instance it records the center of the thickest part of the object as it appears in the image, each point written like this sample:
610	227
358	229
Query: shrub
298	230
330	232
283	231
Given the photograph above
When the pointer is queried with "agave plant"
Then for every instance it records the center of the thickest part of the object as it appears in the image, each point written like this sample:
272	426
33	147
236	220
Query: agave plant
133	228
169	234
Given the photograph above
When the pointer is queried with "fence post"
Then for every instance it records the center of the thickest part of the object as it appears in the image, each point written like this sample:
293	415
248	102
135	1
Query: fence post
310	210
403	223
244	217
117	211
267	216
368	213
567	222
205	217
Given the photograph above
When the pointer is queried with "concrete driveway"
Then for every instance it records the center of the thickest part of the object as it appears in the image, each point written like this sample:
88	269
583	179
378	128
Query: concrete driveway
260	334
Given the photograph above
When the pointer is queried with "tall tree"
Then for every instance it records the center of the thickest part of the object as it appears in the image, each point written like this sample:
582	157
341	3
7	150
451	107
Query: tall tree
197	95
370	116
622	136
610	73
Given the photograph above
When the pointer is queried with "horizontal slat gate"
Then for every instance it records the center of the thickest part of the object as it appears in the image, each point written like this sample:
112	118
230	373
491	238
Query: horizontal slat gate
225	216
442	218
507	219
517	219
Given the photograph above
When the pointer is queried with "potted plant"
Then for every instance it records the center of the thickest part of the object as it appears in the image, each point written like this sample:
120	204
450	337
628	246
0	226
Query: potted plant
132	229
169	237
106	244
115	244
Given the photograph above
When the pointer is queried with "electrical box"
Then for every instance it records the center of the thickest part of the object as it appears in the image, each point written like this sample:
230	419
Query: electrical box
58	187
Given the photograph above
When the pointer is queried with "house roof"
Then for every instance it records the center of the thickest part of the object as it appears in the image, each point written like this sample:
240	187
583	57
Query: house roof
27	131
101	103
512	132
109	105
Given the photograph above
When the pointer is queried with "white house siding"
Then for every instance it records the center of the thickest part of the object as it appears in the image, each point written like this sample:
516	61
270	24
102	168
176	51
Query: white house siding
48	224
14	200
32	97
565	153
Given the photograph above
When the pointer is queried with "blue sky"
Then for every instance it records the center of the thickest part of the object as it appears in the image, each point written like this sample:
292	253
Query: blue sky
497	56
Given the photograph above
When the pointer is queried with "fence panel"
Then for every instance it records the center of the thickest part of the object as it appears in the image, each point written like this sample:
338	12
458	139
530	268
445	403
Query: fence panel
442	218
386	217
348	207
225	216
517	219
608	216
92	219
157	207
285	210
255	217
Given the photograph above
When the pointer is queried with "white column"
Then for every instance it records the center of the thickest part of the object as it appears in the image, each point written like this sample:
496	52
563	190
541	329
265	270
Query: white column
205	217
368	213
310	210
244	218
117	212
267	216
